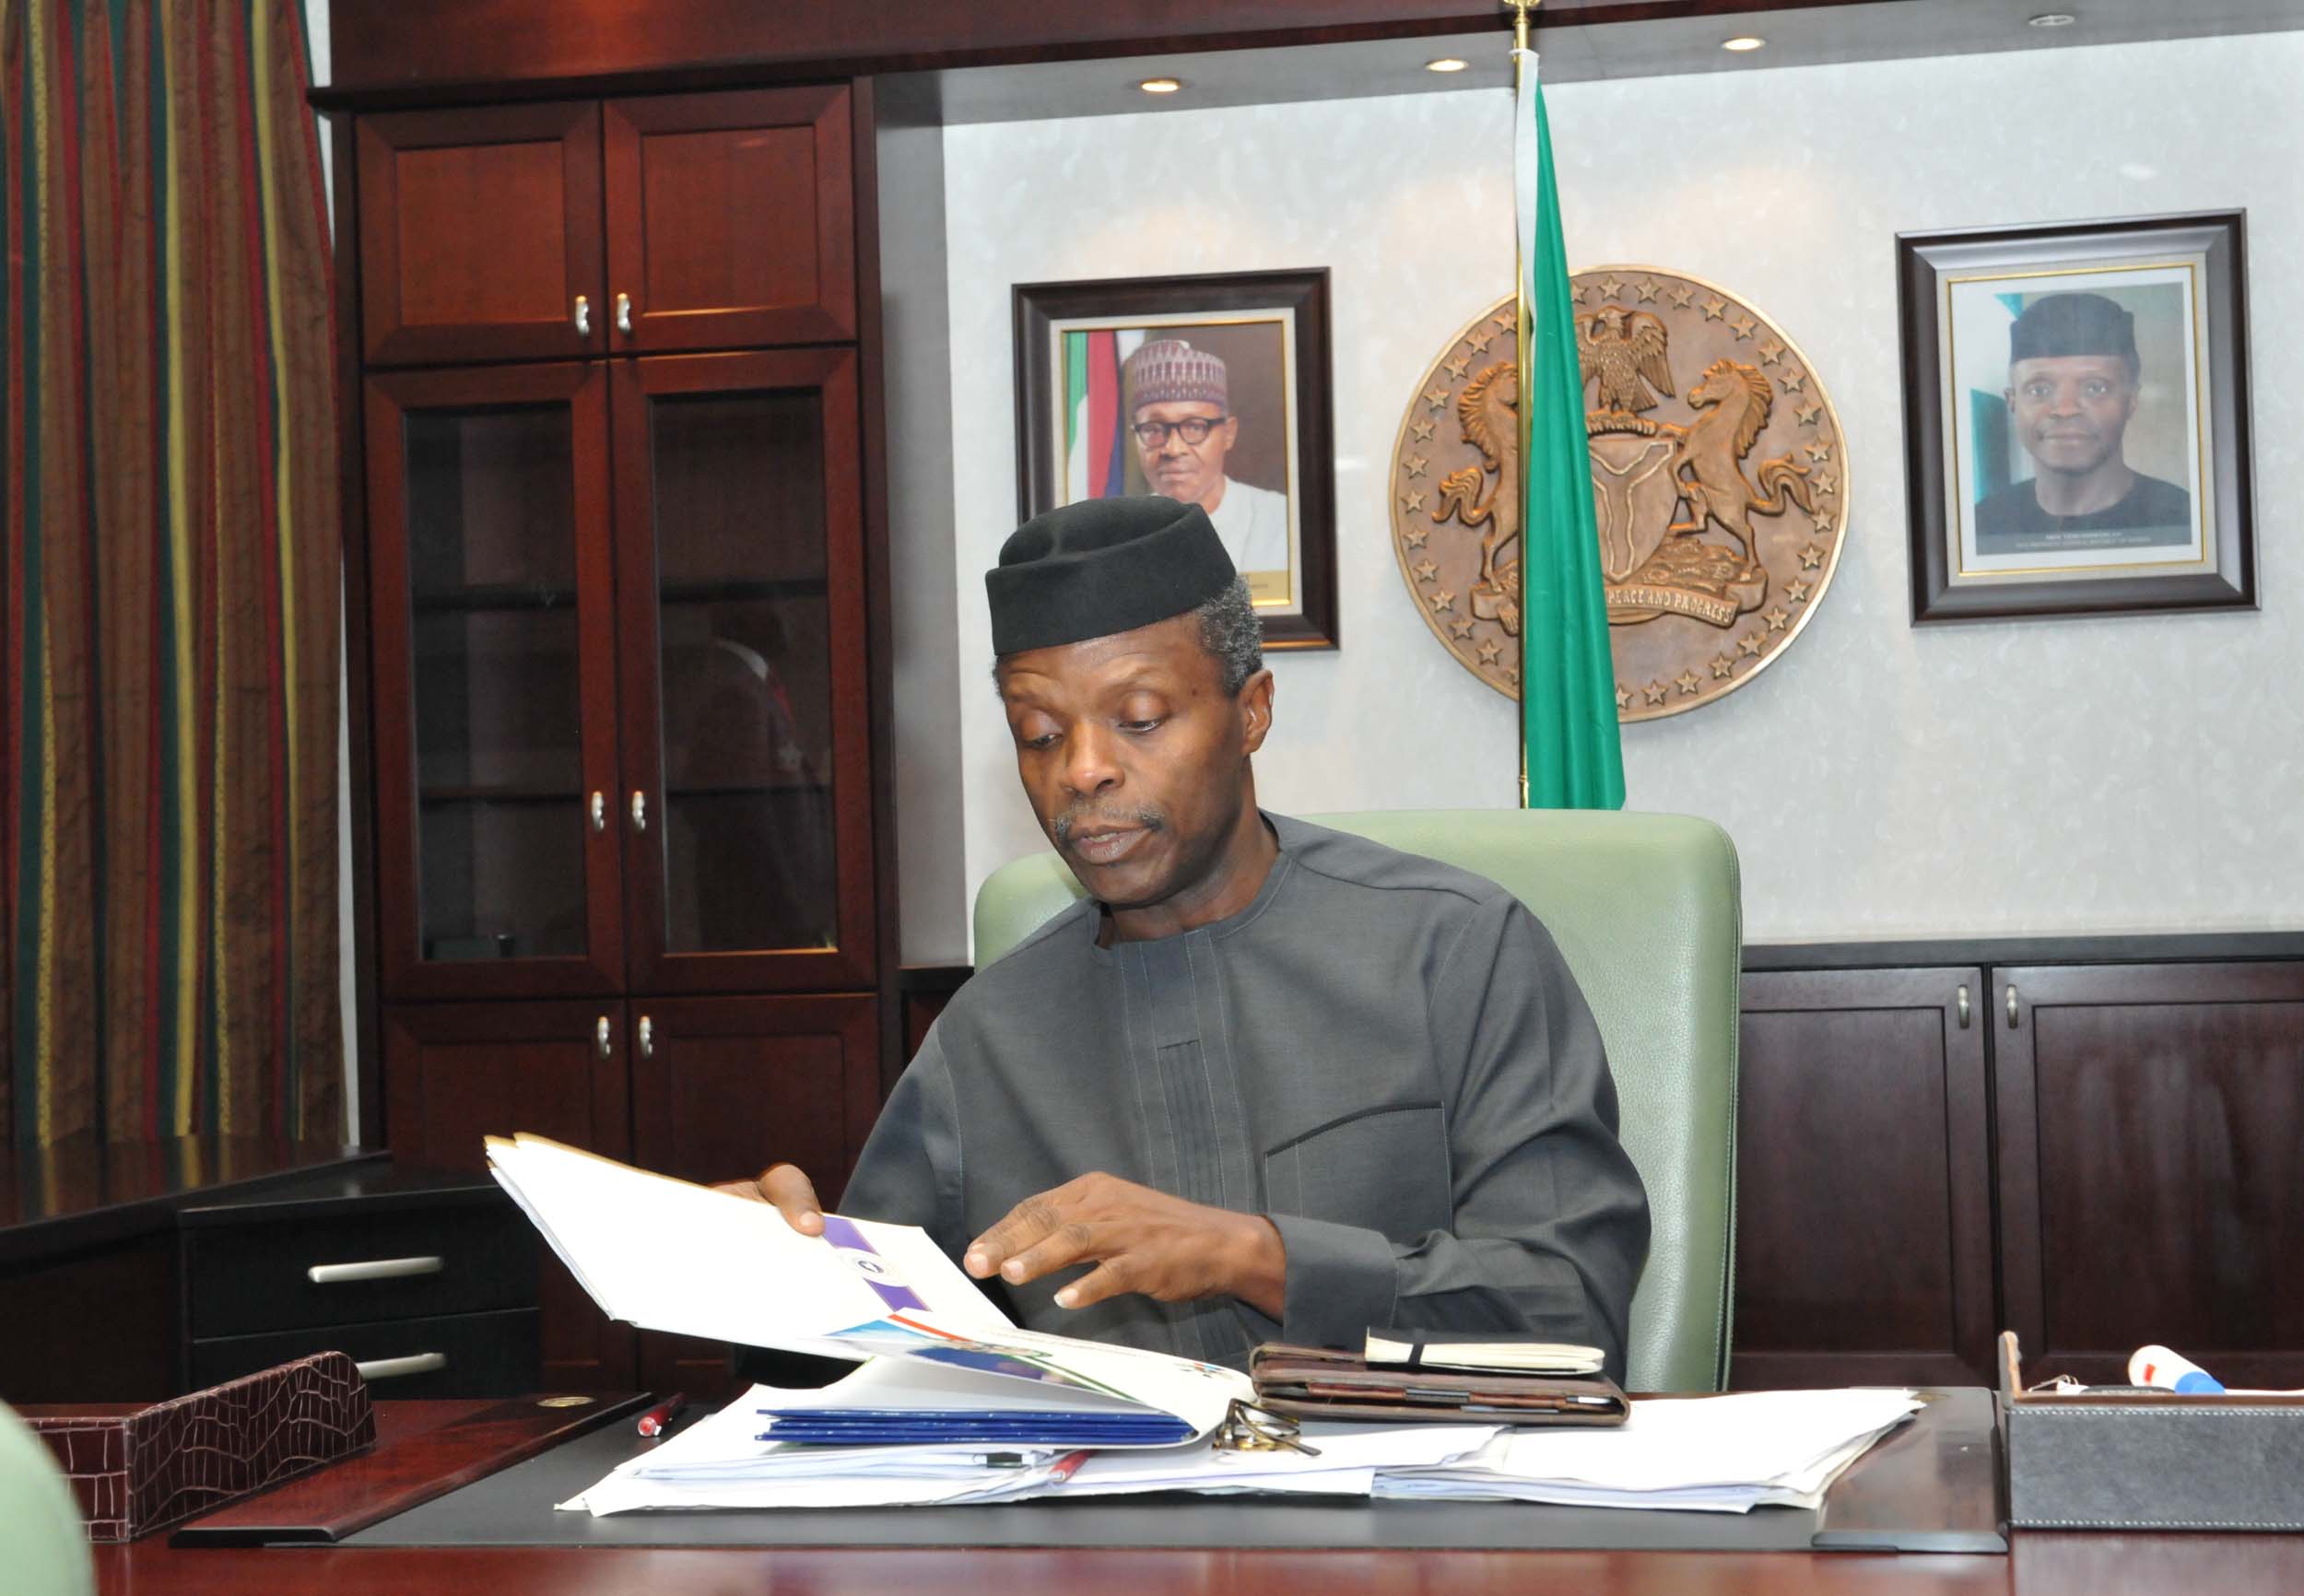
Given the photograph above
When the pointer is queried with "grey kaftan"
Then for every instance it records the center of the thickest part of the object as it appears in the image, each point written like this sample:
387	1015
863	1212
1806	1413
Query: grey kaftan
1385	1055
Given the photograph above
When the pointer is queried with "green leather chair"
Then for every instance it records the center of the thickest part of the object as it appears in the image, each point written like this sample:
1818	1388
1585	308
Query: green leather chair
43	1544
1647	911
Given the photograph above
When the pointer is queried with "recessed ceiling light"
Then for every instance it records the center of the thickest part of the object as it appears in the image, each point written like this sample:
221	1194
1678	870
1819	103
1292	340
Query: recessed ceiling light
2052	19
1161	85
1742	42
1446	63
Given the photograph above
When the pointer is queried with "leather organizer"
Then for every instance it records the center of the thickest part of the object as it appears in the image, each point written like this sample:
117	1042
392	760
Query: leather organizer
2122	1458
137	1469
1309	1382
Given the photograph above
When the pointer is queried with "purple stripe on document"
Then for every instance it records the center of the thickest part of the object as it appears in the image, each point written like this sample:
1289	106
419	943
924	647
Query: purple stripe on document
877	1271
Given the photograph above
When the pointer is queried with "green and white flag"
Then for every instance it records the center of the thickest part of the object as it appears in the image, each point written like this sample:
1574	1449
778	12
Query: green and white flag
1571	755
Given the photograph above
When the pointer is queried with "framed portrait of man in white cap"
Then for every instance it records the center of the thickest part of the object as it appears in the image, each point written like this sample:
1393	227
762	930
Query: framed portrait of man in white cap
2077	419
1205	390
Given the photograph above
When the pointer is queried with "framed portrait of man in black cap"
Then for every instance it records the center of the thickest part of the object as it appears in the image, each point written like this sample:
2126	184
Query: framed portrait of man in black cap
1204	389
2076	418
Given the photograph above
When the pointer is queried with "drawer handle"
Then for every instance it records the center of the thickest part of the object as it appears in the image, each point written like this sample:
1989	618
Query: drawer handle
373	1268
394	1368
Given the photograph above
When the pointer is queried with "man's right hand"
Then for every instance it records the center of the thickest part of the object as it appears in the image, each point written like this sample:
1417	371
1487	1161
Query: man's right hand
786	1189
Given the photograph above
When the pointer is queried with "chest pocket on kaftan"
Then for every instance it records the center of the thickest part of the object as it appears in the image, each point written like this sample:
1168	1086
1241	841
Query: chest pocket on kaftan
1386	1169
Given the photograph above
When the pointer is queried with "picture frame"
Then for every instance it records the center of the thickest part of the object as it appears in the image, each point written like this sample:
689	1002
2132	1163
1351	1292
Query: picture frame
1241	357
2076	417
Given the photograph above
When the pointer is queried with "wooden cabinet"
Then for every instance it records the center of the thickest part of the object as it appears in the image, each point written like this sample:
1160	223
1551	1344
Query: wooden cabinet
480	234
720	1086
1863	1221
705	1089
646	770
2152	1165
574	229
457	1073
740	632
618	592
730	219
2096	1155
493	629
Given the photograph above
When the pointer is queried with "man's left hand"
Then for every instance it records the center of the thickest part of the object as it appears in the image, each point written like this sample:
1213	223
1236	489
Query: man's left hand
1140	1241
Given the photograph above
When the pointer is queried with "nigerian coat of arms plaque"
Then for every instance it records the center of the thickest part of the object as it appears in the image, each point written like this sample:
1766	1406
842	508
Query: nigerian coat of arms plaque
1719	485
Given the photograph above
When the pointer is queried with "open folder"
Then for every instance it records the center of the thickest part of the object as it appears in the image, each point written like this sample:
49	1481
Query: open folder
663	1254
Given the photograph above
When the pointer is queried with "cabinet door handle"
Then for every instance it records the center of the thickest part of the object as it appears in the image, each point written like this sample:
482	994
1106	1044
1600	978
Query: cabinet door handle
624	314
583	317
599	812
600	1038
647	1037
2011	1006
396	1368
1964	1017
373	1268
640	810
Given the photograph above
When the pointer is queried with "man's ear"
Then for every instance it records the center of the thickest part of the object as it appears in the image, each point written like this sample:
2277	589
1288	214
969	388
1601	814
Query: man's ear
1231	431
1255	708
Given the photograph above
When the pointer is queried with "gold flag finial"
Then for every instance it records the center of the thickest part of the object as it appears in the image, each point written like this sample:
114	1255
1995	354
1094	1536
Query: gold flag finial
1520	9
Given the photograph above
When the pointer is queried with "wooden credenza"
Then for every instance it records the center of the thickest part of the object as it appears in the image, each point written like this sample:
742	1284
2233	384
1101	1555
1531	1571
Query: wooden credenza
2097	1143
618	707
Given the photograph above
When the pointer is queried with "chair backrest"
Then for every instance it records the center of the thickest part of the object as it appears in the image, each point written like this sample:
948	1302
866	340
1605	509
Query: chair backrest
1647	911
43	1542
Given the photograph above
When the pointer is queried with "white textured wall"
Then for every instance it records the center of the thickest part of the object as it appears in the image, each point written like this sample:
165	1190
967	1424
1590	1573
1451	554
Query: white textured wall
2072	776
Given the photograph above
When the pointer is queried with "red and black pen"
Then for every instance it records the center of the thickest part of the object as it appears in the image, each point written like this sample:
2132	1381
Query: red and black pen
653	1421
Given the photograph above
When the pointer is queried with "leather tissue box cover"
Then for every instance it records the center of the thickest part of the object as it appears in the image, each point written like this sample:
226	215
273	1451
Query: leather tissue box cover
137	1470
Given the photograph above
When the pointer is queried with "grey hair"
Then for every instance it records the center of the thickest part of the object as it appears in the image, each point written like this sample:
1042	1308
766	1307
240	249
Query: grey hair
1230	631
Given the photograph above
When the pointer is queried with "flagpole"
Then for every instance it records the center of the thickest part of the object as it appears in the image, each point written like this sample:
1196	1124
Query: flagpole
1521	346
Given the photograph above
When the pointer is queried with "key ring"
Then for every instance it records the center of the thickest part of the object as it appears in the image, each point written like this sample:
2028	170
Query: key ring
1249	1428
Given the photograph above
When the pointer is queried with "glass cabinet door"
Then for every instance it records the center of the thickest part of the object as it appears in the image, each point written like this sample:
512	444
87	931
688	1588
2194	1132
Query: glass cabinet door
494	686
747	793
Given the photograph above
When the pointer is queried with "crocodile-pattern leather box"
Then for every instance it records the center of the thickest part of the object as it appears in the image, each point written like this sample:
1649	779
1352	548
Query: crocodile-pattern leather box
137	1470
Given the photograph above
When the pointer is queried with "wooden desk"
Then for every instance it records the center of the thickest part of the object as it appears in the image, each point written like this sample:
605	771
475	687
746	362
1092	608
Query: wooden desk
2039	1565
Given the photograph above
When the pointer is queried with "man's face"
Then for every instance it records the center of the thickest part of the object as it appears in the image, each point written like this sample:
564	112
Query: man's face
1134	757
2070	409
1188	473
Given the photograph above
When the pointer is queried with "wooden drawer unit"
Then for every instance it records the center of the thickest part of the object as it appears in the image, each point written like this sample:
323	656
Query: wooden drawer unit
243	1279
461	1354
428	1279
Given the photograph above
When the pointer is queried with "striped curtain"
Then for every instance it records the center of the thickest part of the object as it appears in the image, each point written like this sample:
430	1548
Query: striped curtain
169	619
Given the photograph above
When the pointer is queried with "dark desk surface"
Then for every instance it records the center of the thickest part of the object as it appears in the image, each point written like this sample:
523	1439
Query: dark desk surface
2039	1565
81	1192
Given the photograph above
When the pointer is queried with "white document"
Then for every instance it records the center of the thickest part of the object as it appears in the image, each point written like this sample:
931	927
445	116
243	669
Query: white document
1717	1454
721	1462
1348	1459
664	1254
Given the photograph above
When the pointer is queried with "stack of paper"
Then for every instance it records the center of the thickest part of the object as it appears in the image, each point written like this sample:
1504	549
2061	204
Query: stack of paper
1724	1454
663	1254
731	1461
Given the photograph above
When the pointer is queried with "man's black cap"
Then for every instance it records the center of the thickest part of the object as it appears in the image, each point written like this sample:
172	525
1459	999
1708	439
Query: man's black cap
1103	565
2073	324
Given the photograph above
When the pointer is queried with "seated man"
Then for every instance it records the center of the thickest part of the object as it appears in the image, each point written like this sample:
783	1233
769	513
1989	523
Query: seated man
1269	1082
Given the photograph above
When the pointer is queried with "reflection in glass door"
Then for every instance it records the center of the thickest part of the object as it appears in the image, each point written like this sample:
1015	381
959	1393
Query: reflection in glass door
744	664
494	630
740	584
499	721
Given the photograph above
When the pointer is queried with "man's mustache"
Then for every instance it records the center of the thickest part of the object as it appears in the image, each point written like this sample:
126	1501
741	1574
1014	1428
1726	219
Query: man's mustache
1061	826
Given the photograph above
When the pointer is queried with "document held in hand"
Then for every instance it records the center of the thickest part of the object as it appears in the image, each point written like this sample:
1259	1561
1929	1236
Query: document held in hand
664	1254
